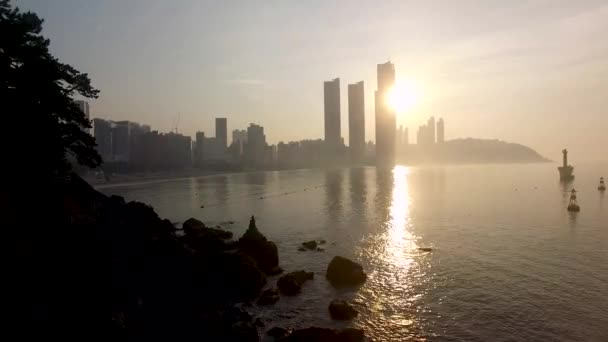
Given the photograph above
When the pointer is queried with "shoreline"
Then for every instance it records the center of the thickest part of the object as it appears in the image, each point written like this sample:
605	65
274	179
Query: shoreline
166	176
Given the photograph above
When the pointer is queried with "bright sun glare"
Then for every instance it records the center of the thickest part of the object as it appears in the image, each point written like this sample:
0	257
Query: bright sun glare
403	97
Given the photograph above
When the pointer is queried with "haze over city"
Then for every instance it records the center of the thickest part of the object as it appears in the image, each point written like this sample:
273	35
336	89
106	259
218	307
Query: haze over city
492	69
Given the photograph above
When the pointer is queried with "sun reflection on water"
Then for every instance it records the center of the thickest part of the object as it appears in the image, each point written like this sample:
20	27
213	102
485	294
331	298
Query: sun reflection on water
399	239
393	291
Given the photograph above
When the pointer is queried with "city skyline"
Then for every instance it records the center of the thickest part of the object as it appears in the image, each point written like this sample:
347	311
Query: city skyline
487	77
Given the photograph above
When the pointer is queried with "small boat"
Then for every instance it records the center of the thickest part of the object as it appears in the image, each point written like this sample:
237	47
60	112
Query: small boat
602	186
573	204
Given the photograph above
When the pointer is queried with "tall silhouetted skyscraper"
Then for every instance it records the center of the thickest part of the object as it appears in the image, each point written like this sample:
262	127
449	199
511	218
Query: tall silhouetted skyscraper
385	116
440	131
221	132
331	91
356	121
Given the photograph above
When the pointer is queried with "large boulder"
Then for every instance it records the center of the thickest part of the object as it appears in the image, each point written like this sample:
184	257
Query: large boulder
268	297
192	226
342	310
291	283
344	272
254	244
315	334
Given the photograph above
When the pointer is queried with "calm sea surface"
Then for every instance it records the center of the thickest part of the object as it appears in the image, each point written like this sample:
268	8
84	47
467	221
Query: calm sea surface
509	263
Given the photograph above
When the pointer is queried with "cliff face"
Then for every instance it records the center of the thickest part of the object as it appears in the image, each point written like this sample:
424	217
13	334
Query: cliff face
461	151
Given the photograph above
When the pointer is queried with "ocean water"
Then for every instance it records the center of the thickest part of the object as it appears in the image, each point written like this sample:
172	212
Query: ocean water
509	263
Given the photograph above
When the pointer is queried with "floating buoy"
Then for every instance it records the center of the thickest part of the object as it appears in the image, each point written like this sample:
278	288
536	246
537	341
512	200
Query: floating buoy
602	186
573	204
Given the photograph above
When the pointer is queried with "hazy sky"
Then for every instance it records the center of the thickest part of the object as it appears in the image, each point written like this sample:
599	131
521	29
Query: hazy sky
533	72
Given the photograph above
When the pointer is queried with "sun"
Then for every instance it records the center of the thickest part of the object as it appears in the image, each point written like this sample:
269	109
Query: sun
403	96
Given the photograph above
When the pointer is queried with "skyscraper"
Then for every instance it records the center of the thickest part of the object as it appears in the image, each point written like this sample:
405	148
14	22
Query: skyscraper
255	147
221	132
199	149
331	91
356	121
385	116
84	107
431	129
102	131
440	131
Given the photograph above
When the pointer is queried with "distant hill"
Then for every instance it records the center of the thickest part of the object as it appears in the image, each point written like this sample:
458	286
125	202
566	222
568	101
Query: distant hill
469	150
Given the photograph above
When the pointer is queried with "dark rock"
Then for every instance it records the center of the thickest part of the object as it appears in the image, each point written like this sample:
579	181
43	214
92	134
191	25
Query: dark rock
312	334
319	249
351	335
192	225
291	283
203	239
278	332
258	322
254	244
274	271
243	331
315	334
425	249
117	199
322	242
302	249
344	272
312	245
268	297
342	310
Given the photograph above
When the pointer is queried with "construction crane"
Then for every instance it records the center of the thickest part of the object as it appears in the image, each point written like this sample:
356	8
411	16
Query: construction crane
175	124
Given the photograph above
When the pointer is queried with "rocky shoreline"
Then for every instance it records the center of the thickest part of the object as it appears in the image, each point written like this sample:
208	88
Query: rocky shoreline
196	285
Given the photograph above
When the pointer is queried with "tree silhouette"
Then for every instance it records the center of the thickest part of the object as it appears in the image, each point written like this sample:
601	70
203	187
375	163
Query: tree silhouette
37	99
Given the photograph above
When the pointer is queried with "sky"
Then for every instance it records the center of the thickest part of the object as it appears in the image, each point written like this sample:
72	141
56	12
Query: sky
533	72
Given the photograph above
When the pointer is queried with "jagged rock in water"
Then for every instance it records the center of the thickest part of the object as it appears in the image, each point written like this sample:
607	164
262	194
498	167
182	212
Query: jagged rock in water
291	283
268	297
277	333
315	334
312	245
254	244
235	324
204	239
192	225
344	272
302	249
342	310
351	335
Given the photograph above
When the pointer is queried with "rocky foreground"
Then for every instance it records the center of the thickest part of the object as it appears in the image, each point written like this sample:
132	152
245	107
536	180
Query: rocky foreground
162	285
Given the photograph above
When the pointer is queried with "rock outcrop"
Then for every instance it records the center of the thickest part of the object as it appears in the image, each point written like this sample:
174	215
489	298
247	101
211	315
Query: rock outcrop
344	272
278	333
291	283
342	310
254	244
311	245
268	297
315	334
202	238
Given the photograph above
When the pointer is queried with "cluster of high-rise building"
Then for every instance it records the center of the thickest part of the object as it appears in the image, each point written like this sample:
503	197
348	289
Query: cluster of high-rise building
431	133
385	116
137	147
